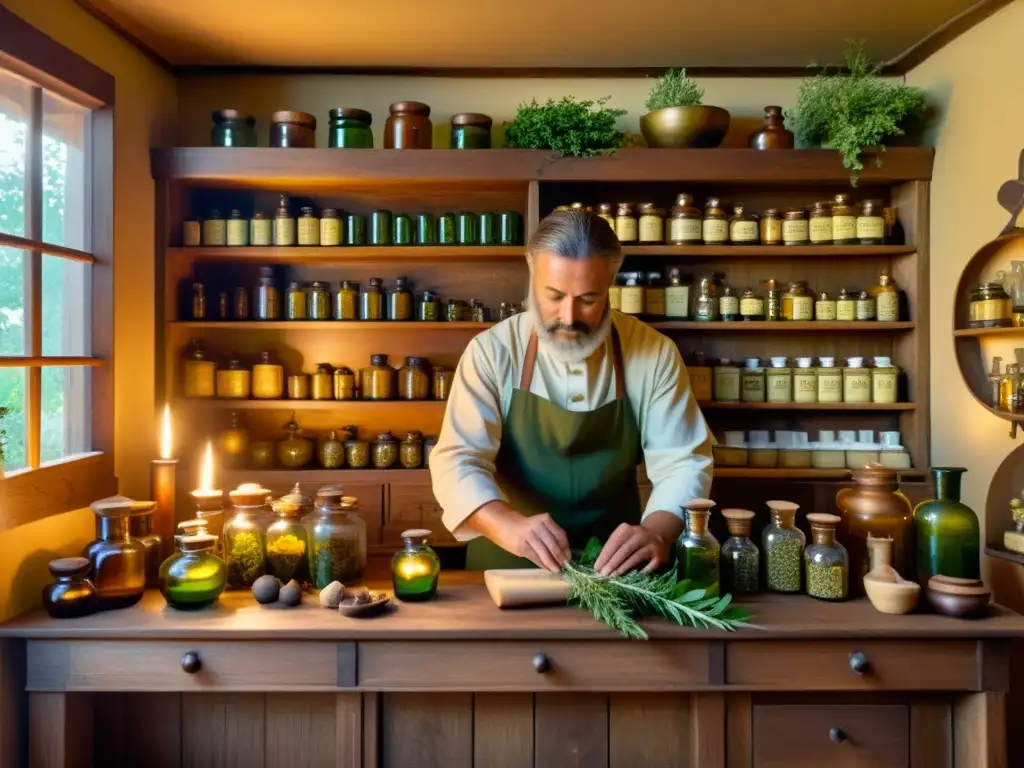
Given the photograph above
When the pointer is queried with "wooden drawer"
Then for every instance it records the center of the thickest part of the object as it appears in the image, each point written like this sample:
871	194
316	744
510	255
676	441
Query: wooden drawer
509	666
412	505
940	665
77	665
836	736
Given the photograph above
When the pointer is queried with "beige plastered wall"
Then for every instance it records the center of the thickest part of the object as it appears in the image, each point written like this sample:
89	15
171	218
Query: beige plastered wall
145	116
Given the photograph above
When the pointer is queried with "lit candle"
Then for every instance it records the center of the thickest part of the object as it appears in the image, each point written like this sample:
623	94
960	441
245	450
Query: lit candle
209	501
163	487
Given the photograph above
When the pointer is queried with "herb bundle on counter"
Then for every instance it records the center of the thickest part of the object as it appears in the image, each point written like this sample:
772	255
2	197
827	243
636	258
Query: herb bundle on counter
619	601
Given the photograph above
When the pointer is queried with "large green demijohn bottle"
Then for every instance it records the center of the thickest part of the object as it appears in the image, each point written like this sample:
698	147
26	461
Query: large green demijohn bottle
947	531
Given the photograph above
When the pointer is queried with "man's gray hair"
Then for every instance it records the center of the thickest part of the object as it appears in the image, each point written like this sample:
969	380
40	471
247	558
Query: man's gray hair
575	235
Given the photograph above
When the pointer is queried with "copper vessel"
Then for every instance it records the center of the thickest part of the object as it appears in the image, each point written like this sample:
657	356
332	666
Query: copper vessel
874	506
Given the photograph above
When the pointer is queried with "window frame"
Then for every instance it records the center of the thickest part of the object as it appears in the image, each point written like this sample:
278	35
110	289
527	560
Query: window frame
41	490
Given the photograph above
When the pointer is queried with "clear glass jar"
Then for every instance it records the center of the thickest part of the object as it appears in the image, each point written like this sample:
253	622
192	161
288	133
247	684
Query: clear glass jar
194	577
413	379
771	227
415	568
743	229
346	301
706	305
384	451
728	305
371	301
377	380
244	544
410	452
318	302
338	538
288	540
740	556
685	226
783	546
268	298
826	564
72	595
698	550
400	302
295	304
715	227
797	302
344	384
442	384
677	295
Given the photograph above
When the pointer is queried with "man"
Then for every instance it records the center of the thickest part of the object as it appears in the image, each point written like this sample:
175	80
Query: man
551	411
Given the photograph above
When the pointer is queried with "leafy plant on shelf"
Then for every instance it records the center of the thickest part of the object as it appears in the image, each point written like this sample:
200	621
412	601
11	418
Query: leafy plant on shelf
570	127
851	112
674	89
619	601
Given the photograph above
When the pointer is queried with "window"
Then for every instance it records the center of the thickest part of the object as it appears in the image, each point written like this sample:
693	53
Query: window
56	168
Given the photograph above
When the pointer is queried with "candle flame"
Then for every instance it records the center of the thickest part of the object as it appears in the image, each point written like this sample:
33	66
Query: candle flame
206	471
166	443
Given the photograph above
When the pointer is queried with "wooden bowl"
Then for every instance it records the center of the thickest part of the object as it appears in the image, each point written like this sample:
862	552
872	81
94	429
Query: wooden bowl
958	598
678	127
379	603
894	597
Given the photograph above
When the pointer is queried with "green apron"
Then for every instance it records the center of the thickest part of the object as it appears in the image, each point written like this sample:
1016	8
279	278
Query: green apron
579	467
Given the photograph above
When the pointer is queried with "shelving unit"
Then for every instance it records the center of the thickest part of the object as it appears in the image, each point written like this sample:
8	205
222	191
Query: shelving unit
191	181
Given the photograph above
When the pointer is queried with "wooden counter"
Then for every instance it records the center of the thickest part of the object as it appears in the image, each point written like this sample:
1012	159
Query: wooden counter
458	682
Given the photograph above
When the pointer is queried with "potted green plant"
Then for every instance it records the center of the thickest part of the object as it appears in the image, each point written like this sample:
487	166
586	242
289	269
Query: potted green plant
676	118
853	111
571	127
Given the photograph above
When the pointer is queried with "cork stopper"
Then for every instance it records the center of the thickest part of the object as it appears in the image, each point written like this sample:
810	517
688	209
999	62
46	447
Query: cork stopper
249	495
738	521
823	527
783	510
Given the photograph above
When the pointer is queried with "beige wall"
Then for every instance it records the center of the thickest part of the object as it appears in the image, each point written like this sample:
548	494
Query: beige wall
978	139
145	116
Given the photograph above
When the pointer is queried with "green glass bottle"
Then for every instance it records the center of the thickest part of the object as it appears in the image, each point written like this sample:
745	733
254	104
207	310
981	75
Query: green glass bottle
194	577
415	567
698	551
948	534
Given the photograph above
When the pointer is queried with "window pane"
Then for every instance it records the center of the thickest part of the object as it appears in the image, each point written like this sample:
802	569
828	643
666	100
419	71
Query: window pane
65	197
12	301
15	108
65	421
66	306
12	425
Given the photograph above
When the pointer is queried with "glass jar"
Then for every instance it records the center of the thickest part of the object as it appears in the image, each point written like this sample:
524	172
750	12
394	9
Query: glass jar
856	381
338	537
605	211
470	130
349	129
805	381
357	453
308	227
288	540
194	577
413	380
947	531
400	303
795	229
371	301
118	560
426	229
706	305
715	227
384	451
871	223
191	233
321	383
654	297
318	302
510	228
73	595
783	546
698	550
455	311
237	229
260	230
465	228
797	303
355	229
844	221
442	382
232	128
864	308
240	303
268	299
884	378
726	382
740	559
198	301
235	381
244	548
294	452
752	381
410	452
295	303
887	299
377	380
415	567
344	384
685	226
825	308
820	225
846	304
626	224
198	374
408	126
677	295
652	224
380	228
771	227
751	305
743	229
991	307
292	129
330	451
830	381
267	378
233	442
215	229
728	305
826	564
633	295
346	301
428	308
614	294
779	381
297	385
284	223
401	230
772	301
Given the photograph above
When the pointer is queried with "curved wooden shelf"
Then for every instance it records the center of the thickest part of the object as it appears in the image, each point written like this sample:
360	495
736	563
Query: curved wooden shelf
1005	554
783	326
227	404
330	256
755	473
717	406
977	333
332	325
768	251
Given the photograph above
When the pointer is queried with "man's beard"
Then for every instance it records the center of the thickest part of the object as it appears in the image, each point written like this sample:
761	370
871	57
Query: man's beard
569	351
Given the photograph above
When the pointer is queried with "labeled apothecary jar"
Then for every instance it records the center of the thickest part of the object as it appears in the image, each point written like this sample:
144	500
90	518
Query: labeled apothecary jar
470	130
288	539
726	380
408	126
698	550
267	378
797	302
72	595
652	224
384	451
991	307
830	381
413	379
244	549
715	227
771	227
685	226
349	129
783	546
338	538
410	452
779	381
234	382
805	381
415	568
820	224
377	380
884	380
627	227
752	381
232	128
194	577
292	129
743	228
740	556
846	305
795	228
198	373
871	223
856	381
826	564
844	221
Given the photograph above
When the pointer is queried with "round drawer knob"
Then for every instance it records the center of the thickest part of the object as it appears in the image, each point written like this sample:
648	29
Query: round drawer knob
858	663
838	735
541	662
190	662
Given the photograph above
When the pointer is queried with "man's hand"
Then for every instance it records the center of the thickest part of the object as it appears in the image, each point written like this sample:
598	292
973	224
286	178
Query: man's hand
628	547
538	538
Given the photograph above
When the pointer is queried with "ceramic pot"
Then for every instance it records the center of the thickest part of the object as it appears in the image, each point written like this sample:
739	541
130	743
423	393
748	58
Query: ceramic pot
948	534
678	127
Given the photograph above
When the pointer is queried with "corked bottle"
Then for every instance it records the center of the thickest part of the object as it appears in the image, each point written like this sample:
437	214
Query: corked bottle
716	223
774	134
685	226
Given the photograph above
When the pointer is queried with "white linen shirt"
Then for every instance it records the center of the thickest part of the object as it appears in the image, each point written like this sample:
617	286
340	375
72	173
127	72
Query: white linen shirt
675	439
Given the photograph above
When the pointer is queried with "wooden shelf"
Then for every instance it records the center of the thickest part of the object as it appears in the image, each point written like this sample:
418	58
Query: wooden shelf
768	251
232	477
716	406
332	325
217	404
1005	554
968	333
755	473
783	326
340	256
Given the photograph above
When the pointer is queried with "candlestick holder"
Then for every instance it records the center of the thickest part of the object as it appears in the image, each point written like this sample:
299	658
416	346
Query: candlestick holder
163	481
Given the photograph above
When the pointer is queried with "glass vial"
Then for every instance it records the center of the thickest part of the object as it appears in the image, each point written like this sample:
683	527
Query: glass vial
284	224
